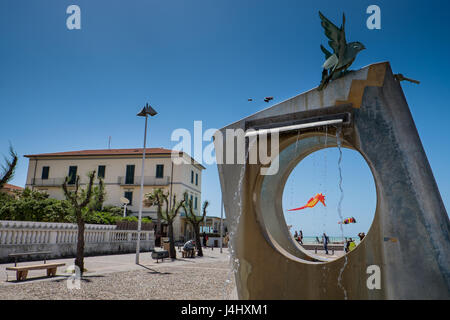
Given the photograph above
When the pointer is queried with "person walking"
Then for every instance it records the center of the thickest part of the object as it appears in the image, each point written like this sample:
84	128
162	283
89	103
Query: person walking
300	237
205	239
325	242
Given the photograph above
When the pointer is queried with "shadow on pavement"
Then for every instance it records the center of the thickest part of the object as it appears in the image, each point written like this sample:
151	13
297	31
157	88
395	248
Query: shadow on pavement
153	271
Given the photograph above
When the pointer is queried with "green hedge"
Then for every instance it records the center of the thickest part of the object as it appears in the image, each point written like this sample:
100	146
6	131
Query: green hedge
36	206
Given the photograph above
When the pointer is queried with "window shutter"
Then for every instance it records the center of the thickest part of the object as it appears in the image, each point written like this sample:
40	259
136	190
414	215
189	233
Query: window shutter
129	179
101	172
159	170
72	174
45	171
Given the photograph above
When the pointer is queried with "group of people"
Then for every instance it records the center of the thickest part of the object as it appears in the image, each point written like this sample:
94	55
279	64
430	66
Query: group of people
349	243
299	236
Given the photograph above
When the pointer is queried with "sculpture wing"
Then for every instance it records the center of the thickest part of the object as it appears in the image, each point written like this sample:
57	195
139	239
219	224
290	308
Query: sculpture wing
326	52
335	34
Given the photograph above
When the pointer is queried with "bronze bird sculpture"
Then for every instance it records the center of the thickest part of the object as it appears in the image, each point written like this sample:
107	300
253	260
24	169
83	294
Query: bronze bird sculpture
343	55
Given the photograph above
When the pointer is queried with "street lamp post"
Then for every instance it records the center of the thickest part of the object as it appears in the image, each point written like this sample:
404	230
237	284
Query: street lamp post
221	225
145	112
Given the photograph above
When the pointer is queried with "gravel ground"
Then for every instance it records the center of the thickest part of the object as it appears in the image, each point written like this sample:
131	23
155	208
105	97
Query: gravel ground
196	281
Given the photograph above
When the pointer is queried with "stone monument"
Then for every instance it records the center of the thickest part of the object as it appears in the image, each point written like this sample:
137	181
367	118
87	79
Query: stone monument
407	246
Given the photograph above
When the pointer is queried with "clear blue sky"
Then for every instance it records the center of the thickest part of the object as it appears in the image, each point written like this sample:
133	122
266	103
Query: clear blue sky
64	90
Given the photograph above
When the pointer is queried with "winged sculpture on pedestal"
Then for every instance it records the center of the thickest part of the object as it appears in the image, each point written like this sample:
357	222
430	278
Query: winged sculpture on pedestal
337	63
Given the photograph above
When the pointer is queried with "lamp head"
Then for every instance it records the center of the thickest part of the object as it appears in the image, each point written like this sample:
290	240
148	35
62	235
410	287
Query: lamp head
147	110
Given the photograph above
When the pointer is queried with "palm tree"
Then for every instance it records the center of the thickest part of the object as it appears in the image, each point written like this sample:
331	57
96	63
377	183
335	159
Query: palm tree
195	221
9	168
154	199
83	203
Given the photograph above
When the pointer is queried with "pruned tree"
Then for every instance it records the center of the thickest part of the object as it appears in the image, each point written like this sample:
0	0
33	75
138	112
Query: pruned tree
168	213
83	203
195	221
8	168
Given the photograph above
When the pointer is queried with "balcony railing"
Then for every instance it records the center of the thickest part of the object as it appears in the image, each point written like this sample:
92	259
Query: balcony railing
52	182
148	181
134	181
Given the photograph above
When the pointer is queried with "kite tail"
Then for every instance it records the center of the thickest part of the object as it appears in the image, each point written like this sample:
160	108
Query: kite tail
301	208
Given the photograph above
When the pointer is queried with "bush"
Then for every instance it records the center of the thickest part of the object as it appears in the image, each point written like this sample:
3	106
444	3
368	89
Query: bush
118	211
32	205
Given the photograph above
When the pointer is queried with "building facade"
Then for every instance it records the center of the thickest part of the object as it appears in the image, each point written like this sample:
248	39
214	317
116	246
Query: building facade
121	173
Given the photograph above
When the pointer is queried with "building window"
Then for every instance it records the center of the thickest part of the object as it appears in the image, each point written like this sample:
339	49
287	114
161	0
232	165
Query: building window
72	174
192	176
129	178
129	196
159	170
45	171
101	172
195	203
192	199
196	179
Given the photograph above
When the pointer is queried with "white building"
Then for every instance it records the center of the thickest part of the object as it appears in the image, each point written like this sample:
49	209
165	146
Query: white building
121	171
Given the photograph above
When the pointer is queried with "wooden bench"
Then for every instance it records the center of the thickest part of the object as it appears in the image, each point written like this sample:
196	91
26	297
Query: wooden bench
22	272
160	254
188	254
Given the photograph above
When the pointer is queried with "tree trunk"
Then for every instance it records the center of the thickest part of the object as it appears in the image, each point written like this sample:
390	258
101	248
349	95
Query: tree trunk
159	227
197	240
79	260
172	251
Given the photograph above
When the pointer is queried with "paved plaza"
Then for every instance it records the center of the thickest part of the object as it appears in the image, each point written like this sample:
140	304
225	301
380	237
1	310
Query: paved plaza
118	277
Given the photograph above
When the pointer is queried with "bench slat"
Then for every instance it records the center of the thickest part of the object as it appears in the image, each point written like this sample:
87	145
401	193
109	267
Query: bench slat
36	266
28	253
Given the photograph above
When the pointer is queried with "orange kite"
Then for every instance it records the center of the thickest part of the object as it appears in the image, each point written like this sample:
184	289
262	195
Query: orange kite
312	202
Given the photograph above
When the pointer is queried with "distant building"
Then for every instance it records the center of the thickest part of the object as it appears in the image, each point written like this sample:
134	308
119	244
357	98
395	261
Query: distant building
11	189
121	171
212	225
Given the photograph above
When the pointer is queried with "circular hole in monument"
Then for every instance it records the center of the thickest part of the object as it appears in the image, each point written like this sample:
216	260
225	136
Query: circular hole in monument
319	173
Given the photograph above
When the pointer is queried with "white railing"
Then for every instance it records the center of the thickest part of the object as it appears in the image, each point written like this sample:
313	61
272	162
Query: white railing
24	232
